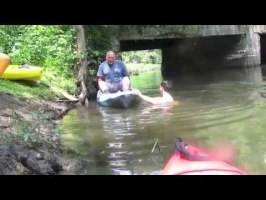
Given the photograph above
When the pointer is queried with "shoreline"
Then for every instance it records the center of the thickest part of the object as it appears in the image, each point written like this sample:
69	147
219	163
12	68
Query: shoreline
29	142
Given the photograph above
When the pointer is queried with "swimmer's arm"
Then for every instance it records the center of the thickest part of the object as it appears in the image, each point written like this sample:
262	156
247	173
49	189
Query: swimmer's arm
153	100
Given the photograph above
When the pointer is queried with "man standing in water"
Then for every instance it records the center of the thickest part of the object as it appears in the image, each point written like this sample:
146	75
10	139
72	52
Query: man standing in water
113	75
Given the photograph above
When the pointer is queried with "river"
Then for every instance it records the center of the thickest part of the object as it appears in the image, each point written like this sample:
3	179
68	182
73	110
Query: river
226	106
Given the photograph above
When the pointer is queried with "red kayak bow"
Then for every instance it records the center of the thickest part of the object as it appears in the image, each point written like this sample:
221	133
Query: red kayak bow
189	160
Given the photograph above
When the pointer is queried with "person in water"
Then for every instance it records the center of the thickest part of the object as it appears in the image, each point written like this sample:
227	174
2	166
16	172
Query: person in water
166	98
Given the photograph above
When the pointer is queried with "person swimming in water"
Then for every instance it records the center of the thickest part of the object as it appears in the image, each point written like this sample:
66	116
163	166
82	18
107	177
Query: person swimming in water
166	98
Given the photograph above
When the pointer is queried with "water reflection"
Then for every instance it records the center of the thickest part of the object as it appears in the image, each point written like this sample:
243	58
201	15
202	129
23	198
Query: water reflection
118	127
123	147
226	105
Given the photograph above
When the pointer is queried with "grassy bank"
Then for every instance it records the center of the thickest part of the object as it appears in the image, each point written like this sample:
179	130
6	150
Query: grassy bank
27	90
47	89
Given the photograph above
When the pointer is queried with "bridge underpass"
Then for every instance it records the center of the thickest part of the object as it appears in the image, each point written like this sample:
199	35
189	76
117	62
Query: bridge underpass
263	48
199	54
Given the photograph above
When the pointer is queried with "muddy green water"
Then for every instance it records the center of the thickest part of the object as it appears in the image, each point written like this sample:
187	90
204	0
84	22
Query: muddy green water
225	106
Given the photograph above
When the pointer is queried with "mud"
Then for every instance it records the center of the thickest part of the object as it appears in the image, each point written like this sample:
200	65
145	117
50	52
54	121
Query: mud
29	144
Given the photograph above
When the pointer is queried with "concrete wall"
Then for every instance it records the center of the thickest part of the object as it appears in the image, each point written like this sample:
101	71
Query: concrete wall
193	55
147	32
201	54
196	48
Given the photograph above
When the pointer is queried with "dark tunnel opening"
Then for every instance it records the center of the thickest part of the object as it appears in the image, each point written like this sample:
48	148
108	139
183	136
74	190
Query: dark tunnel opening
263	48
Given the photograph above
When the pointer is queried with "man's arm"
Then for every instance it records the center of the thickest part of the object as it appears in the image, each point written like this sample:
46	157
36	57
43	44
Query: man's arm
100	79
100	76
124	69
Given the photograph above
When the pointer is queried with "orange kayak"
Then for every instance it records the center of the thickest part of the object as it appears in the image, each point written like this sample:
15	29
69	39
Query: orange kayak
4	62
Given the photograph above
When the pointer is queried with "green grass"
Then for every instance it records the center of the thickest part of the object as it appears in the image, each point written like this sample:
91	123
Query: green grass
27	89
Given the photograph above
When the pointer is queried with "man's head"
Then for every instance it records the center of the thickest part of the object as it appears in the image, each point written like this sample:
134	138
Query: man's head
110	57
166	86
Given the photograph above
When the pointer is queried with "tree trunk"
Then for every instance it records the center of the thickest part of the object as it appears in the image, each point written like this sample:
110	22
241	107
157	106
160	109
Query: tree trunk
82	65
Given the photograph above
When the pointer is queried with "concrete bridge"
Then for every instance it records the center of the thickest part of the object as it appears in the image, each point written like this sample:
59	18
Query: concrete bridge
196	48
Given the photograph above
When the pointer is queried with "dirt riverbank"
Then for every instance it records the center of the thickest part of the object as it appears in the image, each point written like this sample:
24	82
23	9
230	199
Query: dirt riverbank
29	142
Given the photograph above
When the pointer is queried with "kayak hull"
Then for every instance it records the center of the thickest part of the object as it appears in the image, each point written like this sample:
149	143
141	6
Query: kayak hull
124	100
200	164
18	72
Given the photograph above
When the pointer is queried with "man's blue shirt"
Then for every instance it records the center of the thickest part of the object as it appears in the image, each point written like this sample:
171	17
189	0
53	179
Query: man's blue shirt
113	73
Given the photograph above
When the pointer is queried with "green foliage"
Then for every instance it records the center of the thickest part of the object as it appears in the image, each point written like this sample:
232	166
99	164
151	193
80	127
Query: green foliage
140	68
146	56
52	47
7	37
100	40
101	37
